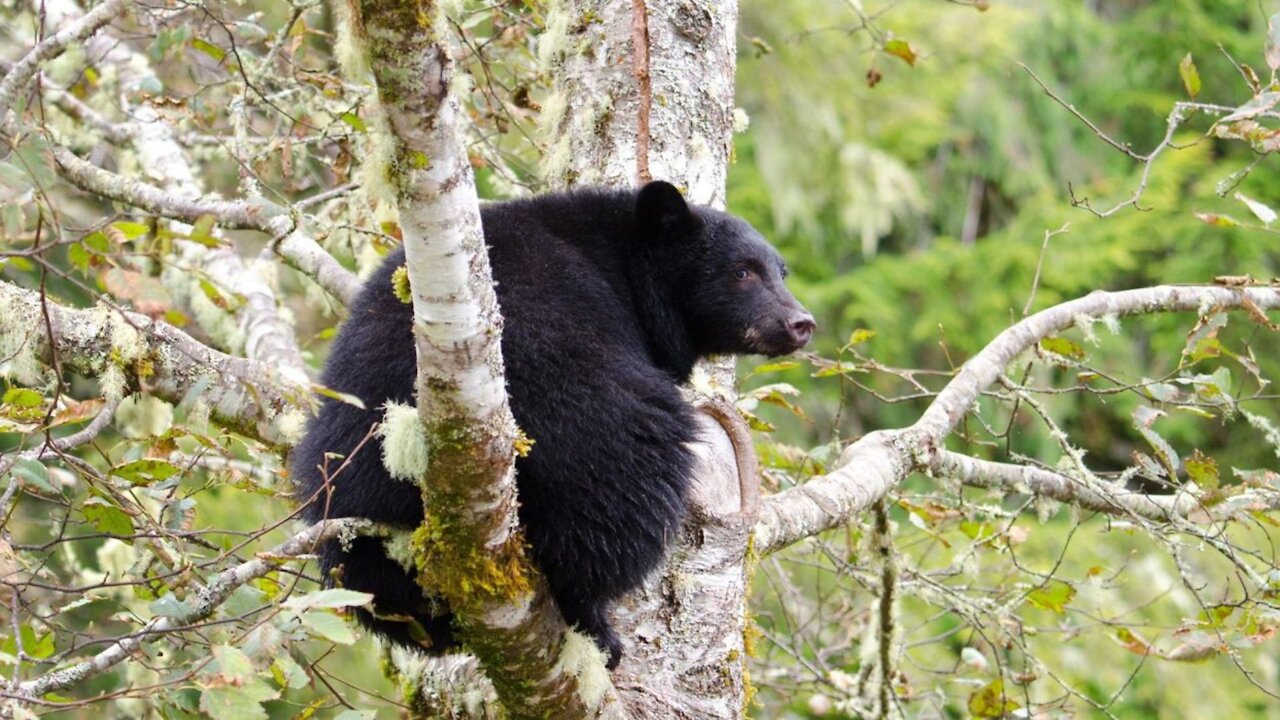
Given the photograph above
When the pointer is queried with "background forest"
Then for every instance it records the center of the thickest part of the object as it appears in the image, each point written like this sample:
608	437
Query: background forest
920	184
917	209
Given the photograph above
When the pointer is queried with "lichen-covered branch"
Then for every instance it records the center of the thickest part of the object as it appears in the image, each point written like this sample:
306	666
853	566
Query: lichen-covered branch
875	464
469	548
125	349
299	250
201	606
261	332
26	69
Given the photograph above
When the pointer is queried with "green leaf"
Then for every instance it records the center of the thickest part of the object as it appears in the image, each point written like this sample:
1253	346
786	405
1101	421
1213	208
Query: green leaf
36	646
231	664
332	598
32	472
1203	470
354	121
22	398
774	367
209	49
107	517
170	607
289	673
235	703
131	230
1062	346
1053	595
901	49
329	626
202	231
859	336
146	471
1190	76
244	599
991	701
339	396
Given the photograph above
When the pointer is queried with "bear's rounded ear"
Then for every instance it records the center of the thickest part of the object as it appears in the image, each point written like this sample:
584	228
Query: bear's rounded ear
661	212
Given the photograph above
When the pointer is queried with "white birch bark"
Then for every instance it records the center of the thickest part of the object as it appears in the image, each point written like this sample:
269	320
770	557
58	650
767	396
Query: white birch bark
684	630
506	615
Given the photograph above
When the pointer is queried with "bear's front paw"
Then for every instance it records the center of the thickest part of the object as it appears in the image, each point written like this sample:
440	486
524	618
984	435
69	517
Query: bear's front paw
610	644
595	624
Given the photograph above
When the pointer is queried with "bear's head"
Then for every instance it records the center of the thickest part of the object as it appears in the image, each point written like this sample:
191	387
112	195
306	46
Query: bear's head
719	283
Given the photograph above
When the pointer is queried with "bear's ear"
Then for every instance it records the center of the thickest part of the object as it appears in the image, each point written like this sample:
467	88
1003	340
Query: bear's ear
661	212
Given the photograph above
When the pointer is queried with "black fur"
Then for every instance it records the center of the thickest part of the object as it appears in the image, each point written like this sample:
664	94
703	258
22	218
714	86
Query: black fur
608	297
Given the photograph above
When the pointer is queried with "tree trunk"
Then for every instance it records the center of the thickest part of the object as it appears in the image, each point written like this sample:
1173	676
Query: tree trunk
646	91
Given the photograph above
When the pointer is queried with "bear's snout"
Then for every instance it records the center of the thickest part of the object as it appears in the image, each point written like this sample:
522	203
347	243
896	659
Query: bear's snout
800	328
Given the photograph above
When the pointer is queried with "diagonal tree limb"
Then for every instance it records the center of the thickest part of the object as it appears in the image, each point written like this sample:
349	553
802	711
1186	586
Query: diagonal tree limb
878	462
202	605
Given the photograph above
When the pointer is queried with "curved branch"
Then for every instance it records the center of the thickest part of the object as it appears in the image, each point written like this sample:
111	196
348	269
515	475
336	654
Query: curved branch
879	461
299	250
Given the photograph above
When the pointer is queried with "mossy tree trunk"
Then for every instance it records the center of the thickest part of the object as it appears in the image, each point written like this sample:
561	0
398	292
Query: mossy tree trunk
469	548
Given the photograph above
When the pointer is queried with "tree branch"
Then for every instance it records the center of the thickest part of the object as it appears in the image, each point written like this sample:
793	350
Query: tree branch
202	606
244	395
25	70
875	464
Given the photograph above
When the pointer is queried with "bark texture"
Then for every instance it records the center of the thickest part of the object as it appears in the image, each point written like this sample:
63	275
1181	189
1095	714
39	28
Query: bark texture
684	629
469	548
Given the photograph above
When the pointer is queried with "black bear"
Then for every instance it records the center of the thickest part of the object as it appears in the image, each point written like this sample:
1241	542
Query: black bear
608	299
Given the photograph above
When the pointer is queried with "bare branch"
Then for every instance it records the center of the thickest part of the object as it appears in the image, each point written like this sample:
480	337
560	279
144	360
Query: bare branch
879	461
202	606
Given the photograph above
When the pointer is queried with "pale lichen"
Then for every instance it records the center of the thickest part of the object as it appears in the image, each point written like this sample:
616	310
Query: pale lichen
583	660
142	416
406	452
375	176
399	548
351	47
112	383
289	426
18	360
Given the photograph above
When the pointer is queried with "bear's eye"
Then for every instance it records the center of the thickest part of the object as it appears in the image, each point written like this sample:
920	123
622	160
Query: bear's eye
742	273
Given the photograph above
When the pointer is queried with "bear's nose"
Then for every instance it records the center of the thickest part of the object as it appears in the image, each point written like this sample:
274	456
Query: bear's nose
800	328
